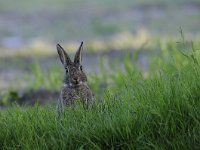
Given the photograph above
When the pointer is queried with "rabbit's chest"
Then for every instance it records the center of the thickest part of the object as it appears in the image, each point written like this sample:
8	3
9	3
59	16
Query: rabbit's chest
71	95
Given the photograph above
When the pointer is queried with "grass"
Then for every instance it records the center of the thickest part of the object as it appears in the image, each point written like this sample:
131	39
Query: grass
77	20
158	111
60	5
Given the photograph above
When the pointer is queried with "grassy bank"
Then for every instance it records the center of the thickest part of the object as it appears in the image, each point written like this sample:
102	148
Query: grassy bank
28	22
160	110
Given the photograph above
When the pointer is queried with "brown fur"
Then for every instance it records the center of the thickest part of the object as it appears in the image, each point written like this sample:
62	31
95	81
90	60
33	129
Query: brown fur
75	85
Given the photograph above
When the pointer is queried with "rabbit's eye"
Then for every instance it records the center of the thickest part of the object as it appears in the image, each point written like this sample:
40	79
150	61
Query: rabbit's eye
81	68
66	70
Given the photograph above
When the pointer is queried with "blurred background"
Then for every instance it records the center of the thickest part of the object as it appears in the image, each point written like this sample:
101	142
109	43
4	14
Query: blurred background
30	68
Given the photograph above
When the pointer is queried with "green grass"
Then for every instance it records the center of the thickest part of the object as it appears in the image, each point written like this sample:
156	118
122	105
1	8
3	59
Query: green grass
159	111
76	20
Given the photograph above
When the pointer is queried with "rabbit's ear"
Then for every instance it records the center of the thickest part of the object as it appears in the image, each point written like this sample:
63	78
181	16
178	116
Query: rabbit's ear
64	58
78	56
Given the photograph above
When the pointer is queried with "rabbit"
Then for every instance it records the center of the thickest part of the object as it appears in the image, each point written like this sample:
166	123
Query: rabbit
75	84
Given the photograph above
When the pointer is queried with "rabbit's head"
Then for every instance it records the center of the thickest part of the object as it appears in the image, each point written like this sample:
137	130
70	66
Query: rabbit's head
74	75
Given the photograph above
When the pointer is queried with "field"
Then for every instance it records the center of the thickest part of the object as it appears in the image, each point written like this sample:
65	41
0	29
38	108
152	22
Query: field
156	110
142	59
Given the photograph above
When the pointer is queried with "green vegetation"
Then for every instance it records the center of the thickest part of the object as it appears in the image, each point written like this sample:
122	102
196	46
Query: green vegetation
156	110
77	20
147	88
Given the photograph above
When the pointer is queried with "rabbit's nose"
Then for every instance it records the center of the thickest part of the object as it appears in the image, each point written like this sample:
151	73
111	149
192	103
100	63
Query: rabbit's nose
75	79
